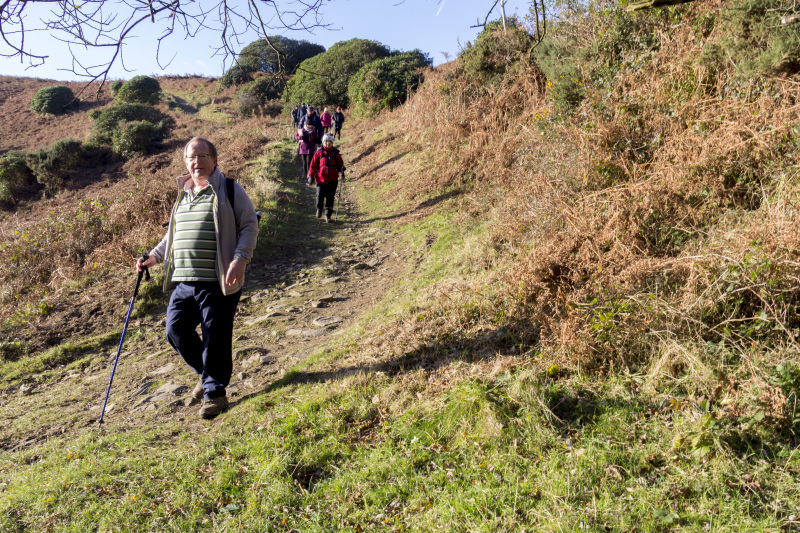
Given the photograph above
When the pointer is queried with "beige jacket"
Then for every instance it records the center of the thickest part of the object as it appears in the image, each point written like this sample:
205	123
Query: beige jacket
231	244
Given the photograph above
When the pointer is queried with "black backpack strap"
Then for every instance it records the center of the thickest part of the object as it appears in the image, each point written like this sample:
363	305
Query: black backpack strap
229	189
231	200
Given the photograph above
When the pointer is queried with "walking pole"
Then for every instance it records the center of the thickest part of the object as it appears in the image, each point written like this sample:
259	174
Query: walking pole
146	274
339	200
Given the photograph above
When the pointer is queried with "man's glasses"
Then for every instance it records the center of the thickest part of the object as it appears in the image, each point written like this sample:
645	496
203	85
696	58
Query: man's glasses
200	157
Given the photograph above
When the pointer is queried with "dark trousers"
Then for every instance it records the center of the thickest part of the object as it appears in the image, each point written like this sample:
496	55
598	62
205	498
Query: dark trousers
203	304
337	130
326	193
305	162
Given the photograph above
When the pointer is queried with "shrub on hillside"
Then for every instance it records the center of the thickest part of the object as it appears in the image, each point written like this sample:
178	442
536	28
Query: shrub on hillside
52	165
112	117
131	138
386	83
115	87
236	75
251	98
15	176
760	41
325	77
494	51
53	100
140	89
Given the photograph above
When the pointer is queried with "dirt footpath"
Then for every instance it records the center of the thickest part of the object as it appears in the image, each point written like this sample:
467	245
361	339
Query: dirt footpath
290	307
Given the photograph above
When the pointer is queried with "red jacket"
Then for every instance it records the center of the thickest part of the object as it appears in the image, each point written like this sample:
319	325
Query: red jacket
325	165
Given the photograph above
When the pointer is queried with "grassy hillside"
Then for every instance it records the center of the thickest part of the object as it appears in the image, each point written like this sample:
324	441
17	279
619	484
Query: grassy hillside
591	322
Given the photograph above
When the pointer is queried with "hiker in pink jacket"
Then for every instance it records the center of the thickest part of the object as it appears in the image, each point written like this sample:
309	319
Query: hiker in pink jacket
325	119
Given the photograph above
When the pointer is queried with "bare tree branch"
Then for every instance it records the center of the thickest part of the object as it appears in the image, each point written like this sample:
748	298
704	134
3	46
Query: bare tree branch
108	25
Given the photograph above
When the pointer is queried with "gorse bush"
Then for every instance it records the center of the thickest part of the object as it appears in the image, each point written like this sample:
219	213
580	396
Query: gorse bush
131	138
494	52
112	118
53	100
115	87
15	176
53	164
386	83
252	98
760	41
140	89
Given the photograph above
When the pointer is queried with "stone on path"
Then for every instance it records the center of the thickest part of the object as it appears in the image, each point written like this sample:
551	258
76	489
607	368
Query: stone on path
306	332
257	360
295	294
333	279
263	318
325	321
166	369
165	392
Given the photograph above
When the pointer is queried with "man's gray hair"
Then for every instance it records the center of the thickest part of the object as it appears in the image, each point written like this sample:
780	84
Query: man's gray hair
212	150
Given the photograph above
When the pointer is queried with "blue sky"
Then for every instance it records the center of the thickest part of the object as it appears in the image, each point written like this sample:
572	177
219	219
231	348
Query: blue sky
430	25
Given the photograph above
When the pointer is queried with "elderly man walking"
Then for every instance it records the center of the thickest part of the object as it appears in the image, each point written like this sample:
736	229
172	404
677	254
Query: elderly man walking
211	237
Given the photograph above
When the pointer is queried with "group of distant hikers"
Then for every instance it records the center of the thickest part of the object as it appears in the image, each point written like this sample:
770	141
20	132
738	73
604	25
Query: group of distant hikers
211	236
320	162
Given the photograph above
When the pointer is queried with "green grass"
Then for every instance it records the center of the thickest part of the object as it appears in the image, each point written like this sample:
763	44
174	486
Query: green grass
327	457
70	354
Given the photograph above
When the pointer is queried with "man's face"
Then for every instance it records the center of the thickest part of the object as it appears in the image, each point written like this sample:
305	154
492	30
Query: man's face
198	161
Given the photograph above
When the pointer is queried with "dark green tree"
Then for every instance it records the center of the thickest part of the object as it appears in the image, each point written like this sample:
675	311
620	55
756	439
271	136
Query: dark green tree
386	83
323	79
264	56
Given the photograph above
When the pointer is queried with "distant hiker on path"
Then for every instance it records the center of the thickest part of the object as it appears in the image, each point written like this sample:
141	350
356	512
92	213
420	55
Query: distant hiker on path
325	167
296	116
312	118
325	120
211	237
306	147
338	120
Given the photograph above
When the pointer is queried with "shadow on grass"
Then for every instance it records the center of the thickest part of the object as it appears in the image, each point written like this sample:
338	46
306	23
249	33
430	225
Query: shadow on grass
431	202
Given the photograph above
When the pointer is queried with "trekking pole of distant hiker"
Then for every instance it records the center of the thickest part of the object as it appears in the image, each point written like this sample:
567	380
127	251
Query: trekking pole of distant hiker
339	200
146	274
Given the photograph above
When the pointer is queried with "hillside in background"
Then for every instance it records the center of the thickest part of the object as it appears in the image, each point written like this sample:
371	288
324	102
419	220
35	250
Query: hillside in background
563	296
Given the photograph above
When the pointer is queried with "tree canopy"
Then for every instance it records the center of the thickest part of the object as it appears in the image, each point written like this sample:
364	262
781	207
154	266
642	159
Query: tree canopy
107	26
276	55
323	79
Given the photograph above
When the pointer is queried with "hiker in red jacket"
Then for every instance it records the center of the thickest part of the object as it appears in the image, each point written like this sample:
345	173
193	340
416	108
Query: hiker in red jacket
325	119
324	169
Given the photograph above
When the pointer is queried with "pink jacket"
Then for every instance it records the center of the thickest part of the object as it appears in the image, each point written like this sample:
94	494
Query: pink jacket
325	119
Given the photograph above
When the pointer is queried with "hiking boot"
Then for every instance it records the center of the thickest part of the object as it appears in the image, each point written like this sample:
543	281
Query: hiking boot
197	392
319	213
327	218
213	406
